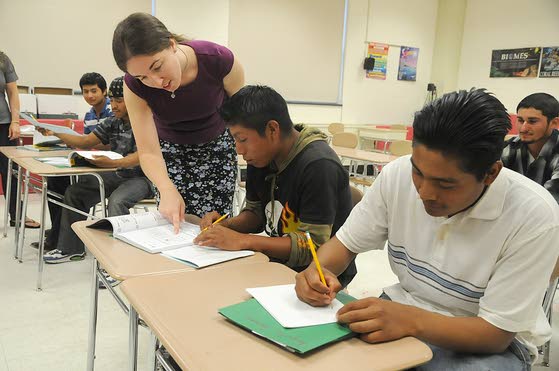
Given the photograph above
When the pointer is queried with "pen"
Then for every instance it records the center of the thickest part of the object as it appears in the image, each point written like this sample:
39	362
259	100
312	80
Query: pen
217	221
315	258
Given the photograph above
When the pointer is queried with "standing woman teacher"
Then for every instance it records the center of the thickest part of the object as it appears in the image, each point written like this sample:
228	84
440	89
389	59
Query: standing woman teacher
9	129
173	90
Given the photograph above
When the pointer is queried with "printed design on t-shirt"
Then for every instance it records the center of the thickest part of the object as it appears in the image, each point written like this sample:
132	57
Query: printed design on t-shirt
276	213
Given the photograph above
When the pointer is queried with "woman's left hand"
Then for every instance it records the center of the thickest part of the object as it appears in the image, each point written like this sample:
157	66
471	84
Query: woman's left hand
13	131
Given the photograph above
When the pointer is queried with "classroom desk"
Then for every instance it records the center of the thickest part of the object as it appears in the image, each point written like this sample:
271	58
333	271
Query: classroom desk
181	309
44	171
385	135
123	261
12	152
373	158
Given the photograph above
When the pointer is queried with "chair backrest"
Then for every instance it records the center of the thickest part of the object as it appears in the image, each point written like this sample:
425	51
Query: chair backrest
356	195
400	147
347	140
335	128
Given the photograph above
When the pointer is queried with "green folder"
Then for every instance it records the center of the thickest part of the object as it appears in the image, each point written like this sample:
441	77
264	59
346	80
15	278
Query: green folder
253	317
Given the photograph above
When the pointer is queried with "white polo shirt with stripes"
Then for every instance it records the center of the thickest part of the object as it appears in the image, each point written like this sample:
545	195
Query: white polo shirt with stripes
493	260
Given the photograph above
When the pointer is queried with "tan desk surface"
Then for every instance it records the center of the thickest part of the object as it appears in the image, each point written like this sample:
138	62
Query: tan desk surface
123	261
41	168
14	152
181	309
359	154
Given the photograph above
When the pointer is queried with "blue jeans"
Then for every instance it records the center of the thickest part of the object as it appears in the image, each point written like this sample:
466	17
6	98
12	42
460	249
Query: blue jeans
123	193
515	358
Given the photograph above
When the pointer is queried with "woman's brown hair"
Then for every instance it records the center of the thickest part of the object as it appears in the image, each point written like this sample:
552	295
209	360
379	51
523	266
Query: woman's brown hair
140	34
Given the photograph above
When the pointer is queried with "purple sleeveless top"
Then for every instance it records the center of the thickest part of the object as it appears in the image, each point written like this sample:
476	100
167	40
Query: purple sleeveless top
192	116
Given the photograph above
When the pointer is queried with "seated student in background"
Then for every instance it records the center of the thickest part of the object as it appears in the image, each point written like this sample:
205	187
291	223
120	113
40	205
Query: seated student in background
295	183
94	91
124	188
472	268
535	152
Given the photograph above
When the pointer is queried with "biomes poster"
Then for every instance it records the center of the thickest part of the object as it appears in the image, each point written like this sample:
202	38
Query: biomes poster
521	62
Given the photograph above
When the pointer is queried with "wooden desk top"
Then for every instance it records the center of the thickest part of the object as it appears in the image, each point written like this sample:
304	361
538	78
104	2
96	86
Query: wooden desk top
13	152
359	154
123	261
181	309
41	168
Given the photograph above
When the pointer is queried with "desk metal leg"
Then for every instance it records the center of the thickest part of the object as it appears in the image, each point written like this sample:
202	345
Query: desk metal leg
133	339
154	345
19	246
7	196
44	197
18	210
93	317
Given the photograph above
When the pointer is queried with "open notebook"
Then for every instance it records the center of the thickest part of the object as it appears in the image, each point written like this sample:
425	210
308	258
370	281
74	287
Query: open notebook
78	158
151	232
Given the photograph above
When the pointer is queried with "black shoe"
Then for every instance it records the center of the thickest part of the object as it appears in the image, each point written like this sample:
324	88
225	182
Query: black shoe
47	247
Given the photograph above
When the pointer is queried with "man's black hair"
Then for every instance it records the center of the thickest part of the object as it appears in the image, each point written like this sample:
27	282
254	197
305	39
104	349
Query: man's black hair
469	126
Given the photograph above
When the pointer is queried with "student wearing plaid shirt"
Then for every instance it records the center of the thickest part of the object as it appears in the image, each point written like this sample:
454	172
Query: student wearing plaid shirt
535	152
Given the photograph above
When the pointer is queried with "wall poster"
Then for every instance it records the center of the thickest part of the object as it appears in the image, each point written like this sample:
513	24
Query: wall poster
380	53
407	69
550	62
521	62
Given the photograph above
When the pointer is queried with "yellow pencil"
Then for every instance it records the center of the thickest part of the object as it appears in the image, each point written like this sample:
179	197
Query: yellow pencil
315	258
217	221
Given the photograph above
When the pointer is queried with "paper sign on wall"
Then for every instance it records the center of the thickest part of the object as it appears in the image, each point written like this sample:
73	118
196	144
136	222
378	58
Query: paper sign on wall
380	53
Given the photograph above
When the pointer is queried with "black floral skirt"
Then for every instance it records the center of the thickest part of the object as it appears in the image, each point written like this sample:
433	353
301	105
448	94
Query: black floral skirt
204	174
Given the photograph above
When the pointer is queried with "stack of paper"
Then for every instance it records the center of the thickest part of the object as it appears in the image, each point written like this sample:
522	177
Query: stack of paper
262	315
284	305
55	161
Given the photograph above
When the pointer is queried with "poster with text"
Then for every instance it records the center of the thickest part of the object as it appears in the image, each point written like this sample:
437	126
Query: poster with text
521	62
550	62
407	69
380	53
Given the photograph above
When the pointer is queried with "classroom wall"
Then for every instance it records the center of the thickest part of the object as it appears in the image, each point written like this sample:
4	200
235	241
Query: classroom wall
52	43
390	101
504	24
448	45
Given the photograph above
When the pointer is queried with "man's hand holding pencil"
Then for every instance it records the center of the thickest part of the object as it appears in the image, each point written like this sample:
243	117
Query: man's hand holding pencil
315	285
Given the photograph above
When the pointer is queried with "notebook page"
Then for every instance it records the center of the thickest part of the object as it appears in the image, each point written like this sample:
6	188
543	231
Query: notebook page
284	305
162	237
132	222
201	256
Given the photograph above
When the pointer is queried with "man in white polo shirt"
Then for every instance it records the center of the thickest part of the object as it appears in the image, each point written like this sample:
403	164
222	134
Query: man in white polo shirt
473	244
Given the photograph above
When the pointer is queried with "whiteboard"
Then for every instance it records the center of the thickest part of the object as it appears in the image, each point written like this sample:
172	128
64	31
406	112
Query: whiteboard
294	46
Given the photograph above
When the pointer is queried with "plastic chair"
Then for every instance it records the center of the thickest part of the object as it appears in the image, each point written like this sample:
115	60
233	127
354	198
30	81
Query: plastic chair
335	128
346	140
400	147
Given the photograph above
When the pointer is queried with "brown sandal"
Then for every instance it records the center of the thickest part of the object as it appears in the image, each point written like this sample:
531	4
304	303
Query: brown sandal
32	224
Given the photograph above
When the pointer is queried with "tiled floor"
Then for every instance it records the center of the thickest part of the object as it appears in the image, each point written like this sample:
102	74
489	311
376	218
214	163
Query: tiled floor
47	330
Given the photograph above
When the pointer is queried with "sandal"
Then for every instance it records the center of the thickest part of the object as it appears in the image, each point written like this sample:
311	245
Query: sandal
32	224
29	223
